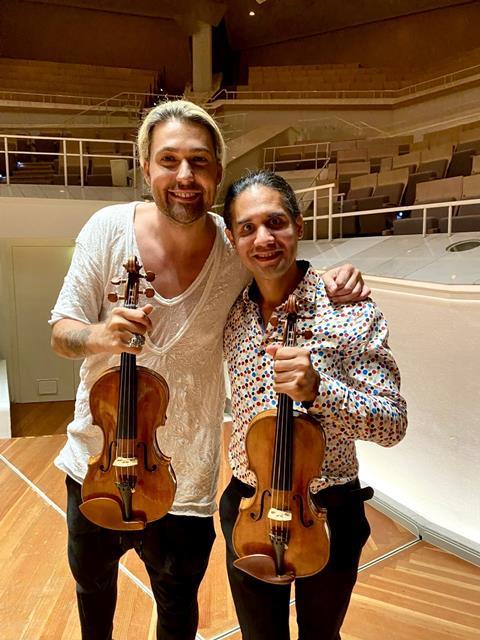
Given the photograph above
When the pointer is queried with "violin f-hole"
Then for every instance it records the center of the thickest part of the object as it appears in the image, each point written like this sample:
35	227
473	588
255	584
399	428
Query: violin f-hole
110	457
252	514
301	511
146	466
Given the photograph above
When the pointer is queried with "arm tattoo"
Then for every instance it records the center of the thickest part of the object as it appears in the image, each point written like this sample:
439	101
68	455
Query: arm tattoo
75	342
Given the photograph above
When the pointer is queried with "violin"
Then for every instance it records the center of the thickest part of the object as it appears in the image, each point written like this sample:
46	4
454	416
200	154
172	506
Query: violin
130	482
280	534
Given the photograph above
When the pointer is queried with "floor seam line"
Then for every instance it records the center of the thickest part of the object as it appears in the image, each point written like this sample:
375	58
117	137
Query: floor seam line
60	511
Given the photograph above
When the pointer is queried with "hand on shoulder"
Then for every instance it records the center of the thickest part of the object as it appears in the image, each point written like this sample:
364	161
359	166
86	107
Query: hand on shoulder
345	284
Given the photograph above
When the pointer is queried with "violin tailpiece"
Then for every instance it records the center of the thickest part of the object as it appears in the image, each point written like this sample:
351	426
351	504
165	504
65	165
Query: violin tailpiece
262	567
107	513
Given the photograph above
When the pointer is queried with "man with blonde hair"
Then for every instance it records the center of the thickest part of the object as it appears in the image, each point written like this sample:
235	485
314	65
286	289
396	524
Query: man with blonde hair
197	278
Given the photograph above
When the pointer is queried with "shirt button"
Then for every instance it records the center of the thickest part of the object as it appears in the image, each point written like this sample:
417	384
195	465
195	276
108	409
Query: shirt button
261	389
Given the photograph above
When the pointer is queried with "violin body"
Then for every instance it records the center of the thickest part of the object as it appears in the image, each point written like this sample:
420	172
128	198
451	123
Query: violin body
153	477
307	544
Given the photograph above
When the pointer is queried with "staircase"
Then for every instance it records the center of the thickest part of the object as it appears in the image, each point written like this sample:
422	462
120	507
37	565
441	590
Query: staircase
33	173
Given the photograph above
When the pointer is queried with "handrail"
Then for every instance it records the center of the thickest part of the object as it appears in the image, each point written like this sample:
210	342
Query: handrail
330	216
450	204
231	124
52	97
439	81
321	149
130	101
82	153
138	102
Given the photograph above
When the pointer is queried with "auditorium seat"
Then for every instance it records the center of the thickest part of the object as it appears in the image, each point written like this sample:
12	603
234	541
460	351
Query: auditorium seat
388	189
475	164
361	187
467	217
408	160
384	196
388	192
352	155
99	180
461	163
435	159
386	164
469	139
413	179
45	77
430	192
347	170
469	144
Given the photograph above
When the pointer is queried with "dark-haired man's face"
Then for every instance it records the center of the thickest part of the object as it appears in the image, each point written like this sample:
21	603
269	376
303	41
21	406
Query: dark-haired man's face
263	233
182	171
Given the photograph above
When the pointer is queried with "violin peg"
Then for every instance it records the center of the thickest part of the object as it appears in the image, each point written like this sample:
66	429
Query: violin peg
291	305
149	292
112	297
307	334
149	276
116	281
274	321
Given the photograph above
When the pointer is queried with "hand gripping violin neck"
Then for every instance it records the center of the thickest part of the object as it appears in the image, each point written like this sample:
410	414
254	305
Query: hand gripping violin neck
131	482
280	535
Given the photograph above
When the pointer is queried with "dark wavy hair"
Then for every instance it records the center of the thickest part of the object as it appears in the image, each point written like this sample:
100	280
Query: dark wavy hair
266	179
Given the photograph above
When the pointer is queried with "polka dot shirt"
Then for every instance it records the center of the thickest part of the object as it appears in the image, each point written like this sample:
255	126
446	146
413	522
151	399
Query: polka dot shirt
358	396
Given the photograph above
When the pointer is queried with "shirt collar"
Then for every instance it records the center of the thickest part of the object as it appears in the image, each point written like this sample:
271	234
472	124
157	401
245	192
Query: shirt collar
305	292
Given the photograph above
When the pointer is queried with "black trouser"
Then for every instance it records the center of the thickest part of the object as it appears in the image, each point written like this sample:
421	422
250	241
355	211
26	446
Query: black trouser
322	599
175	551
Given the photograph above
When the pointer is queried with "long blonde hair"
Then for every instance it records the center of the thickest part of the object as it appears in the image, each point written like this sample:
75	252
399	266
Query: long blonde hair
179	110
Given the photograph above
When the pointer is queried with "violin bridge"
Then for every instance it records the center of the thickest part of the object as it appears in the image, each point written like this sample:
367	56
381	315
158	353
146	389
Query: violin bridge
125	462
279	515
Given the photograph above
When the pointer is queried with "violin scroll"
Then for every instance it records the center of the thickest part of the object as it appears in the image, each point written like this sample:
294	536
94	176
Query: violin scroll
132	291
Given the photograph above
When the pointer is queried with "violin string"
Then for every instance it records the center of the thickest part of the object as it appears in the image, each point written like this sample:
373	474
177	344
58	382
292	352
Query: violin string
130	399
287	437
281	453
276	473
282	464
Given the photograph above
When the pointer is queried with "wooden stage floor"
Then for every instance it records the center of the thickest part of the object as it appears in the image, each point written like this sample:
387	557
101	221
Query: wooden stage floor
406	590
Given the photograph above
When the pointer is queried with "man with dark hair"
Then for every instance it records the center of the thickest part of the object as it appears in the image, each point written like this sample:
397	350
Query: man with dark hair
341	371
197	278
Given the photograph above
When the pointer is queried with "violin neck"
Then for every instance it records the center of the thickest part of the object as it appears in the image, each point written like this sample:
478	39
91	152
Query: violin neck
282	469
127	398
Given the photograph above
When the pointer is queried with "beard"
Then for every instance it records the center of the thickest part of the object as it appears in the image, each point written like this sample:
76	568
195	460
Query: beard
181	213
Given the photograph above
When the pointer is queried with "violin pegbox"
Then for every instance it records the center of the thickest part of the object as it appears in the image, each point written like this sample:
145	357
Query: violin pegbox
131	282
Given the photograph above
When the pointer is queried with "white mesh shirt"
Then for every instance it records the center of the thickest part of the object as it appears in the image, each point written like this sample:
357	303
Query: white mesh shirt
185	347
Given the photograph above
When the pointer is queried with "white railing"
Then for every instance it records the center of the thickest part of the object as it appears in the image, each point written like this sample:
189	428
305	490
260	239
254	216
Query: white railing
119	101
316	196
320	151
232	125
130	103
133	103
424	208
441	82
82	153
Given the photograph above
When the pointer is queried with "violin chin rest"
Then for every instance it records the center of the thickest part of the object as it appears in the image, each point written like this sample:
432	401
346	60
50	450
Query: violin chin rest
107	513
262	567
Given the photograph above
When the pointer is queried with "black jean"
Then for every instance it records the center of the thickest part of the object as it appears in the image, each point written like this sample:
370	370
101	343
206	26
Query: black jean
175	550
322	599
